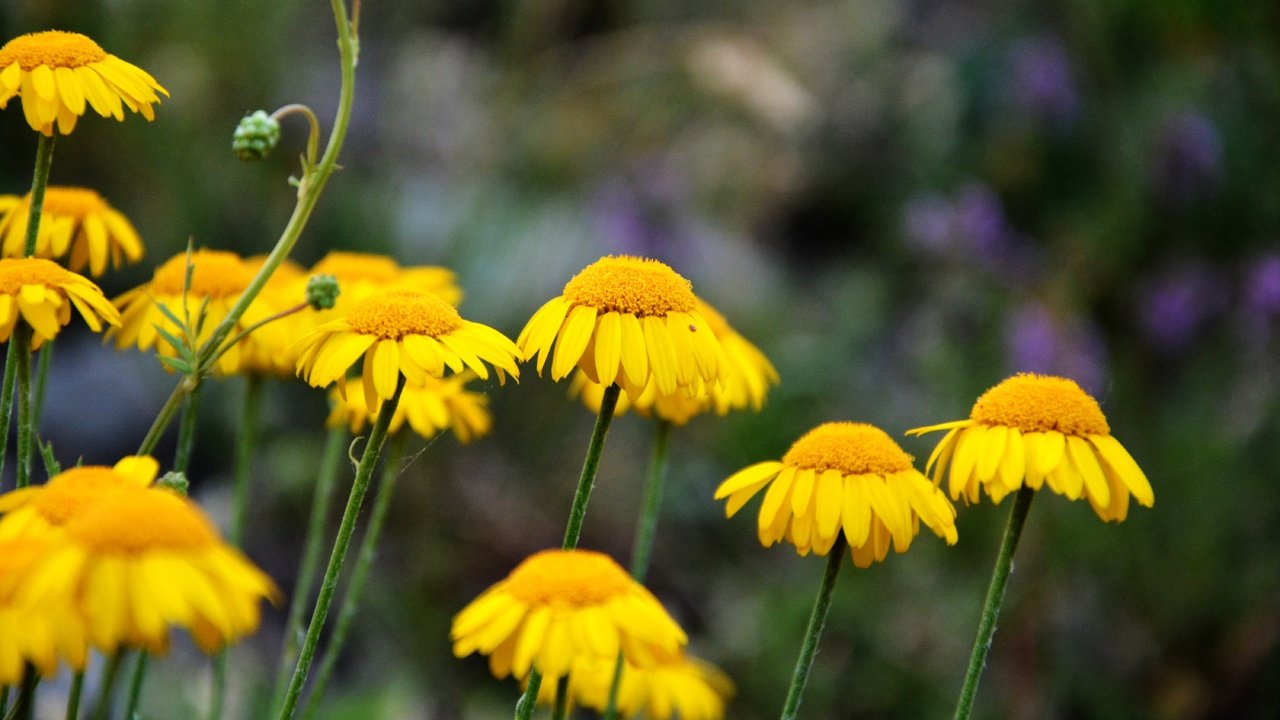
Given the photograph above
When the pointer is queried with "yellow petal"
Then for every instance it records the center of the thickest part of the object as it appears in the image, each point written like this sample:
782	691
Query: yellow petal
608	341
1123	463
635	359
751	476
573	340
992	452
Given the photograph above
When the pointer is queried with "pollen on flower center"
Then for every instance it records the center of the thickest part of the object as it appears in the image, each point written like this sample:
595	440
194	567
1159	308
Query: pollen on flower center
357	266
16	272
638	286
73	201
67	495
54	48
130	522
395	314
851	448
216	273
1041	403
576	578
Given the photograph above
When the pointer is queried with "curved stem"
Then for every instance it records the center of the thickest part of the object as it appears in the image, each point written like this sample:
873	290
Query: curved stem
817	620
364	561
39	181
103	709
22	339
339	554
995	598
595	448
135	685
73	700
320	501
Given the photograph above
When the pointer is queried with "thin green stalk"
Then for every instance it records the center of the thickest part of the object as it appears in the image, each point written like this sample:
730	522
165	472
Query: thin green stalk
817	619
6	404
103	709
187	431
364	561
995	598
529	700
73	700
39	181
320	501
561	710
22	338
24	705
135	685
646	528
364	473
42	379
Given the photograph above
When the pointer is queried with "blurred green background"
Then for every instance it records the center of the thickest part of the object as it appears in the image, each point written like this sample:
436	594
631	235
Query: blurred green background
901	203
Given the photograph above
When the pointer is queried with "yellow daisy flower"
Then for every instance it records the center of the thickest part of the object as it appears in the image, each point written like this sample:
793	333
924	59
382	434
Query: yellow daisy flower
402	332
842	476
677	686
626	320
1036	430
60	74
218	278
561	606
38	510
439	404
42	293
140	561
41	635
75	223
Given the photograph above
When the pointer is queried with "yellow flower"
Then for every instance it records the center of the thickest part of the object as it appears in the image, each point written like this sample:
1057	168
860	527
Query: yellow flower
142	560
269	353
677	686
39	634
842	476
562	606
218	278
407	332
1036	430
75	223
59	74
430	408
42	293
363	274
39	510
626	320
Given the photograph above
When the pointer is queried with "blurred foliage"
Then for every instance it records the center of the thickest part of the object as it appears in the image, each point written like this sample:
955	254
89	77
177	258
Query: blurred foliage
900	202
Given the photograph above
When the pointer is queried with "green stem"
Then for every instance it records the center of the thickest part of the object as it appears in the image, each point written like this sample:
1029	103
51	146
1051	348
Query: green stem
22	338
187	430
42	379
135	685
6	403
24	705
339	554
309	191
39	181
103	709
73	700
217	698
995	598
561	710
589	466
817	619
529	700
246	433
320	502
364	561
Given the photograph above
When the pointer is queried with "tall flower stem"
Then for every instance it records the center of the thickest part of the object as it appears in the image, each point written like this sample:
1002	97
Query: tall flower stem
135	685
561	707
21	338
609	402
39	181
320	502
109	676
646	528
73	700
360	574
187	431
341	543
42	381
995	598
817	620
6	402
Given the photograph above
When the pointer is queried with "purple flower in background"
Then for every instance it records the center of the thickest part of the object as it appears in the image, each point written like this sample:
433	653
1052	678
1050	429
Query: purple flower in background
1044	85
1262	285
926	222
971	226
1037	340
1188	158
1174	305
981	226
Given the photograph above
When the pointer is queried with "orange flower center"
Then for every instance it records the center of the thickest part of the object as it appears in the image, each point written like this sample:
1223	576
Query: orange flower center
216	273
69	494
1039	403
71	201
578	578
16	272
358	266
851	448
392	315
639	286
141	520
54	48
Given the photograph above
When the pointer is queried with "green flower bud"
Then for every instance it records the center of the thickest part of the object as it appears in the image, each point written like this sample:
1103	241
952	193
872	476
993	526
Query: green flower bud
256	136
174	481
322	291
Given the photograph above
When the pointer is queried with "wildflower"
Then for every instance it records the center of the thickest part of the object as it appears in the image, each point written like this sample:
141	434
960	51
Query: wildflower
41	635
59	74
677	686
1036	430
76	223
402	332
842	476
140	561
430	408
363	274
626	320
38	510
42	293
562	606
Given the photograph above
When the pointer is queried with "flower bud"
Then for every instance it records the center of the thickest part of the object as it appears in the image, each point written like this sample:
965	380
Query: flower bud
322	291
255	136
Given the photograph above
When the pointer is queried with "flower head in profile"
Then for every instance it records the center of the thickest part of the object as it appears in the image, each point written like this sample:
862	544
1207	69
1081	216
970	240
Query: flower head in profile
842	477
559	607
42	293
76	224
430	408
402	332
38	510
677	686
58	75
626	320
42	635
139	562
1036	430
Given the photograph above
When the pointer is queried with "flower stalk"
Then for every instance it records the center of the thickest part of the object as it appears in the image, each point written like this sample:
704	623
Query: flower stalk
817	620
